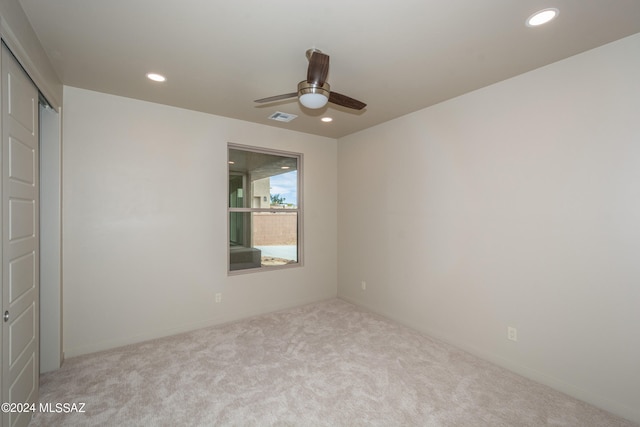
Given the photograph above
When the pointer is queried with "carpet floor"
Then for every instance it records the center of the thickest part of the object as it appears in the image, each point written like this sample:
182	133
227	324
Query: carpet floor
324	364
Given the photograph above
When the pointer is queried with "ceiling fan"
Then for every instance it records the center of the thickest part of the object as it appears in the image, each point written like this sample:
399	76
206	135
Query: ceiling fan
315	91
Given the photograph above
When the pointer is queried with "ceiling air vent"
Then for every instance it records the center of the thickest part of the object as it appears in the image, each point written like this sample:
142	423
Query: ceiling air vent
282	117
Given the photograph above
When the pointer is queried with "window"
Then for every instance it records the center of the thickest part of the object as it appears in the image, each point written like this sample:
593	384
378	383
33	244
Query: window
265	208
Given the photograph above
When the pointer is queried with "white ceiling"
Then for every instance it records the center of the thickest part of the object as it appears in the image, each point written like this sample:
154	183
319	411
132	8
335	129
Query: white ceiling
396	56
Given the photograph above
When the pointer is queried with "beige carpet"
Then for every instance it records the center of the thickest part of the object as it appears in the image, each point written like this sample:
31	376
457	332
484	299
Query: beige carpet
324	364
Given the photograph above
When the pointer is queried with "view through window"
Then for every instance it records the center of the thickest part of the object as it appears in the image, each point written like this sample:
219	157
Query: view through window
264	208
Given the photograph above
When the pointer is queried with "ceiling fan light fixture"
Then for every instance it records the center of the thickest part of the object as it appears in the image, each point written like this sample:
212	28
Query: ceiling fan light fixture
313	100
312	95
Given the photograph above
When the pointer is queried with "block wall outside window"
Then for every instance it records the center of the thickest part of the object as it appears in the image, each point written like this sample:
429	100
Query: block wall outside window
275	229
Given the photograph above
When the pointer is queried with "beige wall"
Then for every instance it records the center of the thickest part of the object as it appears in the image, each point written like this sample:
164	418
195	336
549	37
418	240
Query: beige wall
145	222
515	205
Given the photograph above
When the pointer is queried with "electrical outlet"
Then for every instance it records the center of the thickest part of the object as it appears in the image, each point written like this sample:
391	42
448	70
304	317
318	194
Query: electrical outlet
512	333
363	284
218	297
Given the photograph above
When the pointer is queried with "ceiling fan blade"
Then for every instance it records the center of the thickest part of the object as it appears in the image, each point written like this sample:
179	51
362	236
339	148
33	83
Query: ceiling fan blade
345	101
277	97
318	68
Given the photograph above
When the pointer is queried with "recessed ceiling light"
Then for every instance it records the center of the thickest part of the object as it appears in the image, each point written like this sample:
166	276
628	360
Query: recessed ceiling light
326	119
231	162
542	17
285	167
156	77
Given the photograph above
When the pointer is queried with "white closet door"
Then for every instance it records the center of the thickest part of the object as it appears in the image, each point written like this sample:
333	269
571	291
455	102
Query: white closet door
20	234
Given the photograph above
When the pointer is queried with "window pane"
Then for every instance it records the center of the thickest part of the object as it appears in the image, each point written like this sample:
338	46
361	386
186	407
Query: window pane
263	239
276	235
258	180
